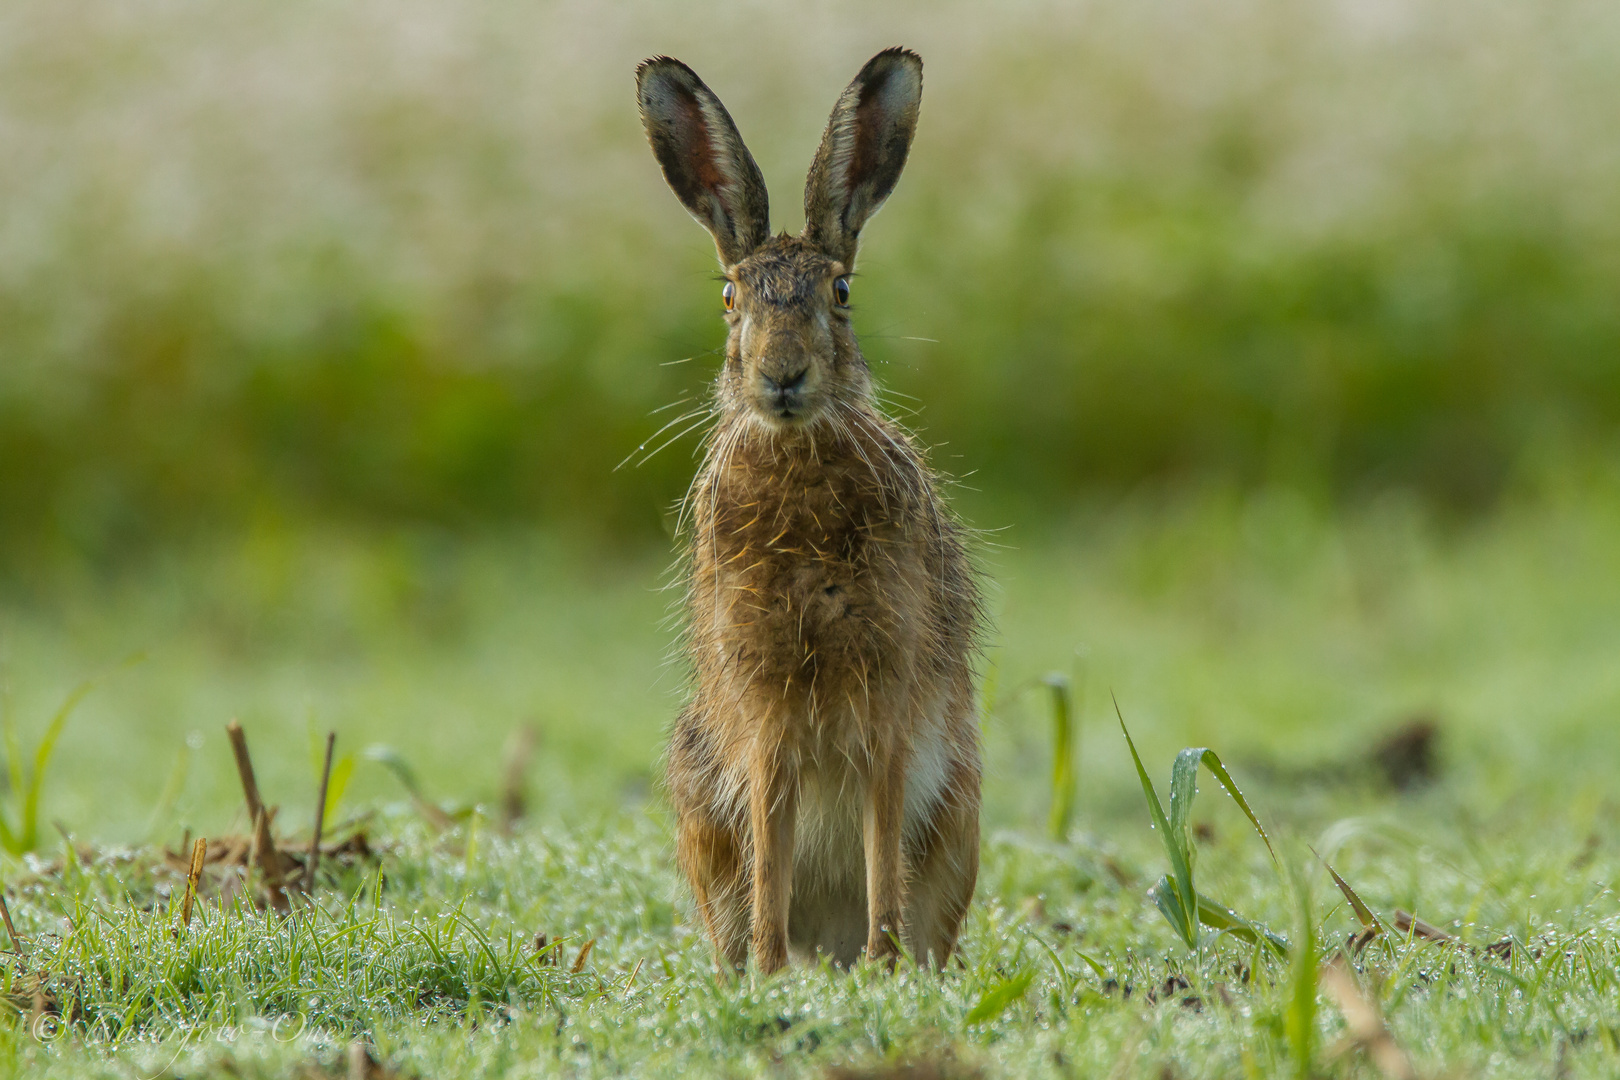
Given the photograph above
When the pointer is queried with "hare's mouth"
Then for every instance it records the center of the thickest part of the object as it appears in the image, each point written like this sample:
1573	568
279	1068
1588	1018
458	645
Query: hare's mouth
784	401
785	414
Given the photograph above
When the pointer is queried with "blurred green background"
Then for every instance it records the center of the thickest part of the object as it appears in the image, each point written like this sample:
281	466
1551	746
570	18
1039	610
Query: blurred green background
323	328
413	262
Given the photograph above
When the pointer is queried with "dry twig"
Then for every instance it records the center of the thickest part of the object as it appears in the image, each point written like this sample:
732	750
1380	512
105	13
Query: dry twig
11	927
199	854
584	955
1368	1033
264	845
520	748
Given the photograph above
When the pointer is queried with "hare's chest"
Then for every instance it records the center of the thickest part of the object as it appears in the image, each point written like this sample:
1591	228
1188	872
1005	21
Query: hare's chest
826	575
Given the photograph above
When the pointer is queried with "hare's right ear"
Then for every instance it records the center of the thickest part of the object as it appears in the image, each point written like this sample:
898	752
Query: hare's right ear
703	157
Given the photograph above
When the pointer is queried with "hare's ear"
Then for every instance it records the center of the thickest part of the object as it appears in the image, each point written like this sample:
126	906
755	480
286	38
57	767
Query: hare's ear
863	151
703	157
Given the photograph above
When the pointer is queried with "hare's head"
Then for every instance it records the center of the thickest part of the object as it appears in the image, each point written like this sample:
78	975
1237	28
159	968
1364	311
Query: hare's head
791	357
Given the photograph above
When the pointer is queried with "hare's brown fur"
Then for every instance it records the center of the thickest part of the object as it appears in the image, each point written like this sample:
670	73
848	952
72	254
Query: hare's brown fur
825	773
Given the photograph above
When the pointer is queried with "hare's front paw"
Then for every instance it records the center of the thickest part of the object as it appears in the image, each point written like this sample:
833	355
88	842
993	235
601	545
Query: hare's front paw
770	952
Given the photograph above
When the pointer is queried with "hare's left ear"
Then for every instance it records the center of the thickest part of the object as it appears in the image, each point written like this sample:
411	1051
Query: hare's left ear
862	152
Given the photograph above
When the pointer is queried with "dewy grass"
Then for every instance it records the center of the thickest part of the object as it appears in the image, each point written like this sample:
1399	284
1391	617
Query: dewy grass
434	963
1176	894
1253	624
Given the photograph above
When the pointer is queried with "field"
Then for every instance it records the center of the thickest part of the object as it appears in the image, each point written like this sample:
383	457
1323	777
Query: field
1273	343
1288	639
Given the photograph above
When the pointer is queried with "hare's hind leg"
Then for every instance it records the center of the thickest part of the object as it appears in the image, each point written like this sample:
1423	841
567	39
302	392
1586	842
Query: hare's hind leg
711	849
944	870
711	856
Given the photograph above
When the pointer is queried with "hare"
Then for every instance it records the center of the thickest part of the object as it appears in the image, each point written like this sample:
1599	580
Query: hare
825	771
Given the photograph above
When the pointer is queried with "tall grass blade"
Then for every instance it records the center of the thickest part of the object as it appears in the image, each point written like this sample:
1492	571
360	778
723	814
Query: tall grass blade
172	787
988	688
395	762
1212	761
342	770
1364	914
1183	789
26	836
1183	915
1062	755
14	764
1299	1021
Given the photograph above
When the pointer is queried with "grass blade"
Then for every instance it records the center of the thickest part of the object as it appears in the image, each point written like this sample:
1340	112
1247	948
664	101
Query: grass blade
28	832
1000	997
1185	920
1299	1020
1183	789
1364	914
1062	756
342	769
1217	916
1212	762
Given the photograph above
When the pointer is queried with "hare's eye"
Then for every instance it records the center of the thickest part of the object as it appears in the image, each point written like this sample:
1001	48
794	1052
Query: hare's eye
841	291
729	295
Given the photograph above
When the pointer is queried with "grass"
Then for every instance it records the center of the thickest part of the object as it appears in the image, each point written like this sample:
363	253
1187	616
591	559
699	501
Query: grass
1286	637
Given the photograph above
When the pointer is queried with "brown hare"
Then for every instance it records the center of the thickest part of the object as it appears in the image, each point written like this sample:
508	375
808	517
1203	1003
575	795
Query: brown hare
825	772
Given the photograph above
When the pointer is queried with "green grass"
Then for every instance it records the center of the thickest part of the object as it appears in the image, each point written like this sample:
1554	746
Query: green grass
1283	635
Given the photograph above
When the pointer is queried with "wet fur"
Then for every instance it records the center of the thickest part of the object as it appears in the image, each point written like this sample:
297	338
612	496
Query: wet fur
825	772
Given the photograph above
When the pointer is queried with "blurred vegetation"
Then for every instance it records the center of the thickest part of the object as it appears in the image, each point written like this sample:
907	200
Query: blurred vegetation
412	262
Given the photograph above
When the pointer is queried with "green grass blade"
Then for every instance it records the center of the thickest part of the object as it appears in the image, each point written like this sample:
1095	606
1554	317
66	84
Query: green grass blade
1000	997
1062	756
172	787
1167	898
28	834
342	770
1217	916
1364	914
1186	920
8	731
394	762
1299	1020
988	687
1212	762
1183	789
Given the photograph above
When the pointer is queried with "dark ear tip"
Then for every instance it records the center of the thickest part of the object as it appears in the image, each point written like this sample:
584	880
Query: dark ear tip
664	66
895	55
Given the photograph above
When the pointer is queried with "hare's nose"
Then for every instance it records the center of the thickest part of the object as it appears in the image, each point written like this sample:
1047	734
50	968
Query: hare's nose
787	384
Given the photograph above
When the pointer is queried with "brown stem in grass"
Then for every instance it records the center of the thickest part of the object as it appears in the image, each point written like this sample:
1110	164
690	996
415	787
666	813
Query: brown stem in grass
244	769
520	748
11	927
199	854
584	955
268	858
264	843
320	817
1367	1030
